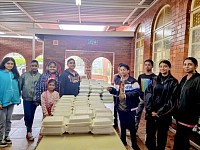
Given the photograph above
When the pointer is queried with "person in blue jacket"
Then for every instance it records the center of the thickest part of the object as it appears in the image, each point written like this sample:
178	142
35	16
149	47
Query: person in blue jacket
127	92
9	96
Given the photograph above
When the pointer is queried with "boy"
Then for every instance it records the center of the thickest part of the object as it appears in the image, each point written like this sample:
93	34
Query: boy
144	80
127	94
28	81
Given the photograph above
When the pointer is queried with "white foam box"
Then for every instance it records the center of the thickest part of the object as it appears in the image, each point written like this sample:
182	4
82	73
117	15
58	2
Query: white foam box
78	129
79	112
53	130
102	122
79	119
53	121
67	96
102	110
108	130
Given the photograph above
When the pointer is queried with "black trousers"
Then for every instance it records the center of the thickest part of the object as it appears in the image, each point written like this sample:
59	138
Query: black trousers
181	140
156	127
127	121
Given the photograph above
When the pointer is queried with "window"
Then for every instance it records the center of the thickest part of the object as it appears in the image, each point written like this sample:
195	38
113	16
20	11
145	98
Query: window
194	49
162	37
139	51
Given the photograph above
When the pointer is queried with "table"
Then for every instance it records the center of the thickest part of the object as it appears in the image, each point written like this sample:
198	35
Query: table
81	142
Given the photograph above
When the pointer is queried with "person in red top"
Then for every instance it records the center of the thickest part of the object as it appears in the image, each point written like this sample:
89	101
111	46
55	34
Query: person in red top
49	98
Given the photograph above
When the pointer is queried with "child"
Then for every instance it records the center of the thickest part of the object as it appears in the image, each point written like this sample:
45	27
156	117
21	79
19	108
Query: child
49	98
127	94
51	73
9	96
69	80
28	81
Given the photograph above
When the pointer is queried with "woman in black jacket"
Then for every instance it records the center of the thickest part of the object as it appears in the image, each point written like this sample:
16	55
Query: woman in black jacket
69	80
188	107
160	99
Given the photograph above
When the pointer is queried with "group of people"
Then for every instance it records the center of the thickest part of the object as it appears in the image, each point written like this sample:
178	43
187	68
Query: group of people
163	97
35	89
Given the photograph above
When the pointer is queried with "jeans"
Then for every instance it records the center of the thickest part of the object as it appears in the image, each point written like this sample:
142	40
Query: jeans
139	114
5	121
29	112
181	140
127	121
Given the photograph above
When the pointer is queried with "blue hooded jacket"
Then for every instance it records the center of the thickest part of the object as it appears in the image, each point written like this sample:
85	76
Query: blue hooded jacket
9	89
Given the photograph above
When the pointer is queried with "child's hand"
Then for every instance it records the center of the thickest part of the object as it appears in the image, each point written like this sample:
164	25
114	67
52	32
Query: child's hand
1	107
121	97
109	88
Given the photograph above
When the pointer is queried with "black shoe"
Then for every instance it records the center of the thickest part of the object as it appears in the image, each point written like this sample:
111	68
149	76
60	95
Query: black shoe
136	147
8	140
3	144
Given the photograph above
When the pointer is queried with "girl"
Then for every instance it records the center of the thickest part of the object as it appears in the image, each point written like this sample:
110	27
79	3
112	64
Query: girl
127	92
51	73
49	98
9	96
160	98
69	80
187	111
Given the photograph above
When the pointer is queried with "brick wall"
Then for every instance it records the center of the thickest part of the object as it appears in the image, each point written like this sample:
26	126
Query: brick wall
180	32
20	46
116	50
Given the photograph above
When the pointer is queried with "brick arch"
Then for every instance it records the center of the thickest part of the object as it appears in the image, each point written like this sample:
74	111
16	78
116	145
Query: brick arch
104	77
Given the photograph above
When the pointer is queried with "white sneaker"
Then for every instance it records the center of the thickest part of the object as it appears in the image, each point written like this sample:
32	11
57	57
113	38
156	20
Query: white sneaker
3	143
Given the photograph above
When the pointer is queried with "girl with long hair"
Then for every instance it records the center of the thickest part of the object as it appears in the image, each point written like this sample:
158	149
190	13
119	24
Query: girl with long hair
9	96
160	98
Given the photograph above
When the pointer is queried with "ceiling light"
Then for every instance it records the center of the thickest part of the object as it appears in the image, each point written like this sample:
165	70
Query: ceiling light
82	27
78	2
2	33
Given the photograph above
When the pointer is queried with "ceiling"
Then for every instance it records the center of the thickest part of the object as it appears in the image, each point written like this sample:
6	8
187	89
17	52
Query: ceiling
16	16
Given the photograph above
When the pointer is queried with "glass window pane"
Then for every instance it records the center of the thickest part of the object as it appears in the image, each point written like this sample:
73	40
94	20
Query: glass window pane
196	35
160	19
158	46
167	31
196	3
168	15
158	35
196	19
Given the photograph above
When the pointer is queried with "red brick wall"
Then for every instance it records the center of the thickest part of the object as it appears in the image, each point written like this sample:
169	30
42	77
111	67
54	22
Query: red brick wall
20	46
116	50
180	32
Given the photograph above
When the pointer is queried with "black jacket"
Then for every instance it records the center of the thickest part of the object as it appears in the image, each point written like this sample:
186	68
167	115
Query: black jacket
69	84
132	92
188	107
164	103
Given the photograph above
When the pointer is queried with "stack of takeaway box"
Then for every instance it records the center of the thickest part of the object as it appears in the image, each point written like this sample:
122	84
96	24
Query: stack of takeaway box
81	114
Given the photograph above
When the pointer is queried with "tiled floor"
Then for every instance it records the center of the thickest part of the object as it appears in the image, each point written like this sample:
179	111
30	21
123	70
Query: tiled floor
18	132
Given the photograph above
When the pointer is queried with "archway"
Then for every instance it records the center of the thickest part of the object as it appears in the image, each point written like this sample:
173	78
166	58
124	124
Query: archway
40	61
80	65
20	61
101	69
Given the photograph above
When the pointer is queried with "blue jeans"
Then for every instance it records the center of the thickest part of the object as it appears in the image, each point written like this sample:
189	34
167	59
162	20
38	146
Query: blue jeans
139	114
5	121
127	121
29	112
